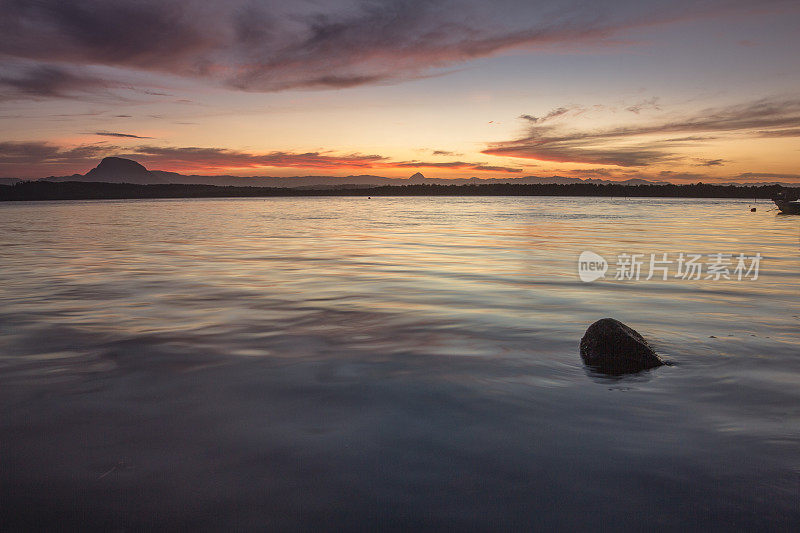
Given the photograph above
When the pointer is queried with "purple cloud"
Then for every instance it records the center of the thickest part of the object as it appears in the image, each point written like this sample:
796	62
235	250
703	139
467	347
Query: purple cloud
336	44
634	146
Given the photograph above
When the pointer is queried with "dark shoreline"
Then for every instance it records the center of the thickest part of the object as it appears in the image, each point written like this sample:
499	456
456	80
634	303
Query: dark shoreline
43	190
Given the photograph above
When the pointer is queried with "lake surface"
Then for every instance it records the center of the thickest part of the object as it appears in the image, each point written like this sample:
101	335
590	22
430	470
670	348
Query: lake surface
392	363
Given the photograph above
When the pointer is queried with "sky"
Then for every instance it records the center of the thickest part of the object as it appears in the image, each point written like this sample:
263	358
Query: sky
679	91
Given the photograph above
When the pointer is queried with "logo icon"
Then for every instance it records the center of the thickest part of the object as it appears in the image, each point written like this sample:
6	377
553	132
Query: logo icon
591	266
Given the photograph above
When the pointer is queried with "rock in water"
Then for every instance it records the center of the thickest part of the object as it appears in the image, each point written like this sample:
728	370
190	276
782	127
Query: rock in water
611	347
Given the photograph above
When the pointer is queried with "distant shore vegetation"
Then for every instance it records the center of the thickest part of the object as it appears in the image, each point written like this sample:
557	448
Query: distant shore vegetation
44	190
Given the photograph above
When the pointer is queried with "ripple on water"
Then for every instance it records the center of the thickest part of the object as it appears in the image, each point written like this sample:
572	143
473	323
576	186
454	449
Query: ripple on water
236	363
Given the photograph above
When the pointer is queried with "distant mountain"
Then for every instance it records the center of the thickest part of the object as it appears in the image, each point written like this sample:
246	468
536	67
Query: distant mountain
120	170
116	170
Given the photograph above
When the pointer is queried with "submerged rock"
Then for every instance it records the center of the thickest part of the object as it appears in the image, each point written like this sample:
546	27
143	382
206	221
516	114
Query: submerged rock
611	347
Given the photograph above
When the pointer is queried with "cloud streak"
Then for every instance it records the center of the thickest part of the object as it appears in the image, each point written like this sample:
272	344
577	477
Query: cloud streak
712	163
457	165
38	159
337	44
643	145
637	108
19	158
116	134
47	81
221	158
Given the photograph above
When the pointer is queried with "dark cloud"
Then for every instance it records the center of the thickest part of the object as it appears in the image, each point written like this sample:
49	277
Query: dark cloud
40	152
769	175
675	141
73	115
335	44
204	158
444	152
46	81
37	159
634	146
40	159
209	158
561	111
115	134
577	151
17	158
712	163
458	165
592	172
492	168
651	103
788	132
140	33
32	159
377	41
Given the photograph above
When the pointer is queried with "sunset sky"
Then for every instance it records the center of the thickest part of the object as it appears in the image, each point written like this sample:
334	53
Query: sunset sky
678	91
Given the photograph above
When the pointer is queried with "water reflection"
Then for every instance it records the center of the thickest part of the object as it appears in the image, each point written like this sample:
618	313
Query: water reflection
403	362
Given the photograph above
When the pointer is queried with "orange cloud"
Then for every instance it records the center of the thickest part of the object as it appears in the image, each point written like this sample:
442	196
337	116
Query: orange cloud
23	159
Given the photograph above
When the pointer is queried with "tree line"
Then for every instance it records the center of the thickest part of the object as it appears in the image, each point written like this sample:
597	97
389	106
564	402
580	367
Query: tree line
45	190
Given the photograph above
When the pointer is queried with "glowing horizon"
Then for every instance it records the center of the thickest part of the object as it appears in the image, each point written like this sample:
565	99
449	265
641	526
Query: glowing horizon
679	93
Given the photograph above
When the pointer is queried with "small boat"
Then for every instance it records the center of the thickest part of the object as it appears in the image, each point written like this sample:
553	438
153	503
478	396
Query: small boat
786	205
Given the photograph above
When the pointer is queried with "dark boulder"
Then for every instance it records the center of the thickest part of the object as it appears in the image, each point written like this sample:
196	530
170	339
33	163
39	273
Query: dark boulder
611	347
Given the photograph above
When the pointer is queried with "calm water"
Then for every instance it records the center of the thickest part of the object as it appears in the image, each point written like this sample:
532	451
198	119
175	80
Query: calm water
391	363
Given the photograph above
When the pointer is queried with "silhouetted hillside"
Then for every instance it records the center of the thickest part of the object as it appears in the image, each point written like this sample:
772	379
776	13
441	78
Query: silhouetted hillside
116	170
121	170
